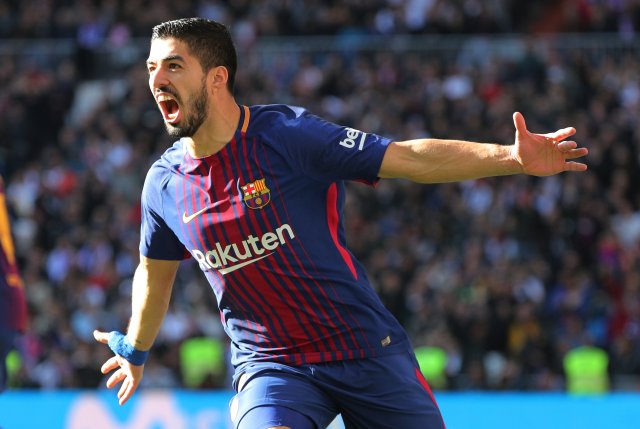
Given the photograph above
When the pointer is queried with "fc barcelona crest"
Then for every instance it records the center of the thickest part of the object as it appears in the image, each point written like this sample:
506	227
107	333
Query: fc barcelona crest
256	194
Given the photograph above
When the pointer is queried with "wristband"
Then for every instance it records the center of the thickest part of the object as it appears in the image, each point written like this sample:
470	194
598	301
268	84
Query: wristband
120	345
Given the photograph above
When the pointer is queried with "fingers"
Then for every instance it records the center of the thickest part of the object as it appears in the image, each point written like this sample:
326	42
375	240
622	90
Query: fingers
122	375
561	134
110	365
116	378
100	336
574	166
577	153
571	150
127	374
567	146
127	389
123	388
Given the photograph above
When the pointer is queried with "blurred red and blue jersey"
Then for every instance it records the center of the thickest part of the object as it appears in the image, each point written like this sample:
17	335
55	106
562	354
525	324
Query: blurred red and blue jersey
13	306
263	219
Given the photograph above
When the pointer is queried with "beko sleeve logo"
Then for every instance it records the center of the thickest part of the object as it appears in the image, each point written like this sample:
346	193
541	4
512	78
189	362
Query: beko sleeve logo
353	137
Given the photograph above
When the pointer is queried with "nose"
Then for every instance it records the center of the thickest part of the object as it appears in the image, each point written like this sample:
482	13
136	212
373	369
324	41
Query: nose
158	79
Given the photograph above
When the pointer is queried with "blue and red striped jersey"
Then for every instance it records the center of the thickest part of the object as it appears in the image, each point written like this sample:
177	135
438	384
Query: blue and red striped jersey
263	219
13	305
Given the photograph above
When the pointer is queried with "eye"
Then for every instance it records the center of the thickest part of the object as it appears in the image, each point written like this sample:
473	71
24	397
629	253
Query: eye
174	66
150	68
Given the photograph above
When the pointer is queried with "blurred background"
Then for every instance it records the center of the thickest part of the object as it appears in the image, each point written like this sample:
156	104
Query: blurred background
504	284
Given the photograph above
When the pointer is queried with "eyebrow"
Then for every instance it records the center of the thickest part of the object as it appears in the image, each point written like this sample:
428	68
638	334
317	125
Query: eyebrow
167	58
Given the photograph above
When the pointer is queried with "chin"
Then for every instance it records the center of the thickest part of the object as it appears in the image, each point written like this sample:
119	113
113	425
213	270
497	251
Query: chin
174	131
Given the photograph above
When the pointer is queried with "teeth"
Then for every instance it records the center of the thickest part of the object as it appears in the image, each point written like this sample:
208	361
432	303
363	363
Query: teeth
164	97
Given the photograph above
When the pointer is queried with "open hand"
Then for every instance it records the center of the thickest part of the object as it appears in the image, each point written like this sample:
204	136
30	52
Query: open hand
129	374
546	154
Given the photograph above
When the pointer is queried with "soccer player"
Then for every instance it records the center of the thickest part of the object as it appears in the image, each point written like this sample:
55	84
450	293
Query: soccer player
255	196
13	305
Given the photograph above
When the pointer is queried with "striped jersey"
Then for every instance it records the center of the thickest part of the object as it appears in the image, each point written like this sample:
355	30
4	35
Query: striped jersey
13	305
263	219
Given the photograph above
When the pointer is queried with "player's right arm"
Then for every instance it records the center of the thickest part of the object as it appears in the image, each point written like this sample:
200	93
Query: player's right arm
151	293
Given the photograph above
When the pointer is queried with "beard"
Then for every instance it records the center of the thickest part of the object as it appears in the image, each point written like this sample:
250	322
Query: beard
195	114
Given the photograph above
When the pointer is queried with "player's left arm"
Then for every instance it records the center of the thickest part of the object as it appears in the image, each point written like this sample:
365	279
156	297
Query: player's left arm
437	161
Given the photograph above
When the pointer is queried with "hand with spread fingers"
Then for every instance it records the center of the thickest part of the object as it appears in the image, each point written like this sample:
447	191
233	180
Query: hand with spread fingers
546	154
125	371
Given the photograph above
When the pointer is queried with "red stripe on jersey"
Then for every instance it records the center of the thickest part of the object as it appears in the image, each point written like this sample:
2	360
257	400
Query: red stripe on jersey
323	334
233	145
337	313
316	303
333	220
423	382
272	280
244	288
186	229
198	228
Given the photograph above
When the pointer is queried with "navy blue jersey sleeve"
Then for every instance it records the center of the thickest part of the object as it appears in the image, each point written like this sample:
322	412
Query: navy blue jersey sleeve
330	152
157	240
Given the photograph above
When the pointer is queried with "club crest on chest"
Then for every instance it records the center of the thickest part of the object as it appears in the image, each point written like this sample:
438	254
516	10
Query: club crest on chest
255	194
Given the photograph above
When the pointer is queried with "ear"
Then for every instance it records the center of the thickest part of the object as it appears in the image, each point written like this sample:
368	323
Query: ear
217	78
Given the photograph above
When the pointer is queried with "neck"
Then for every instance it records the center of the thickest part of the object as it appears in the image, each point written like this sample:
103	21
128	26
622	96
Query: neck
217	130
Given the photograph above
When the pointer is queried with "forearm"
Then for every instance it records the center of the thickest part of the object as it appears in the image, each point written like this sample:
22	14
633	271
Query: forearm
438	161
151	293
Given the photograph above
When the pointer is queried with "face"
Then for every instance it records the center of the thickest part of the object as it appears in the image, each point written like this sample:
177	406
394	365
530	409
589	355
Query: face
178	85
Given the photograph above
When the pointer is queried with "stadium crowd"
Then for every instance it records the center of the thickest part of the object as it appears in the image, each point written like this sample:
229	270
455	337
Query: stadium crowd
94	21
506	275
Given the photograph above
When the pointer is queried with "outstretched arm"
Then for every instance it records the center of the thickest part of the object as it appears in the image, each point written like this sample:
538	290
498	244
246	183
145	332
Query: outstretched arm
151	292
437	161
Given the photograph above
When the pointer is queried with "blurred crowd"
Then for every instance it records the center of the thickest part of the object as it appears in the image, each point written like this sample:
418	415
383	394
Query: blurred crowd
506	275
95	21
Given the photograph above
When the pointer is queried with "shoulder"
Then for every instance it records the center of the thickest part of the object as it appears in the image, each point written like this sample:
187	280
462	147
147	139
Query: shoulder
285	122
279	112
160	171
276	117
171	159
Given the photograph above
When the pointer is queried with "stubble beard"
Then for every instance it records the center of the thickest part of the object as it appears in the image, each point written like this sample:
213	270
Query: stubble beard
199	108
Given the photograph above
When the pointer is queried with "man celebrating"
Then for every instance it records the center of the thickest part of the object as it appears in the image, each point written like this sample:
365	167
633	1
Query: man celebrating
255	195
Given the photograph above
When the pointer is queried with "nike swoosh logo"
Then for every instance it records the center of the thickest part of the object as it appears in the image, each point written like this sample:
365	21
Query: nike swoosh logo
224	271
189	218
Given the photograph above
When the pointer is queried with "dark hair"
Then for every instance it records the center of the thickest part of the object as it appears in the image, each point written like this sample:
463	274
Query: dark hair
209	41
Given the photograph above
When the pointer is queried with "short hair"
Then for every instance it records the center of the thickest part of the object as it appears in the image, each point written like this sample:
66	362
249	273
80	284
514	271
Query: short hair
209	41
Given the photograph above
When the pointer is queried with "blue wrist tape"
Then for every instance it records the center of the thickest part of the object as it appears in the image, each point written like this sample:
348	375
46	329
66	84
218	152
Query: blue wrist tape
120	345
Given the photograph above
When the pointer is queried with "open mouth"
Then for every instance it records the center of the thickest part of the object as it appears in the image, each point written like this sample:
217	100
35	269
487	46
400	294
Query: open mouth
169	107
